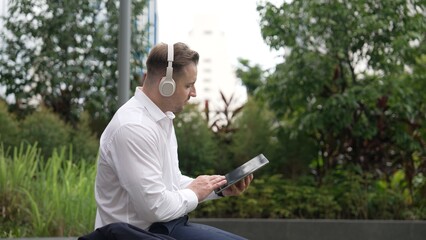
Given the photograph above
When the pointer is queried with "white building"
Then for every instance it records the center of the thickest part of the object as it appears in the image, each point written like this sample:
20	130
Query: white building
215	71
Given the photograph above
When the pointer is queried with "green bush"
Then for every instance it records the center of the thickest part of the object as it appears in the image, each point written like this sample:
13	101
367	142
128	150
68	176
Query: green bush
9	127
254	134
420	197
387	204
197	148
258	132
48	131
45	129
363	197
350	190
345	195
274	197
85	143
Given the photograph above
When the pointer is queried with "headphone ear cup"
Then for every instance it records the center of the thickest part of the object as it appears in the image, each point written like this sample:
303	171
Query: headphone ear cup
167	87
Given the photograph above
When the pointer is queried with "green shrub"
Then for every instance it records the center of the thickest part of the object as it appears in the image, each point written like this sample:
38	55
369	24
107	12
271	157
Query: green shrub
45	129
363	197
197	148
387	204
48	131
420	197
254	134
8	127
351	191
85	143
274	197
258	132
344	195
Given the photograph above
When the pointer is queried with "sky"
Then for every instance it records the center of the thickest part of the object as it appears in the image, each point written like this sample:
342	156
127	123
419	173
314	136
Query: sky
239	20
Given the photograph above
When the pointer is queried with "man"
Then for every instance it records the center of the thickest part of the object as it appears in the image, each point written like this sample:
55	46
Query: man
138	179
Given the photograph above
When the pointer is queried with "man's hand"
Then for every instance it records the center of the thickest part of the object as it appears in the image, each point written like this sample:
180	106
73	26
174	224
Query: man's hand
204	185
239	187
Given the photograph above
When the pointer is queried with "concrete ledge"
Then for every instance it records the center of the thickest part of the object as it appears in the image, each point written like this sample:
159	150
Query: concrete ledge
283	229
286	229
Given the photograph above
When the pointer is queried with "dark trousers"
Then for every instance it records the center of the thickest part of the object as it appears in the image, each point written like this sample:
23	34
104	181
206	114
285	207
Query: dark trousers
122	231
181	228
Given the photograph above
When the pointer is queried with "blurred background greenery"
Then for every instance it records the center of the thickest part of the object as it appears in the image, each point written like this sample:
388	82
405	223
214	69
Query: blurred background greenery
341	119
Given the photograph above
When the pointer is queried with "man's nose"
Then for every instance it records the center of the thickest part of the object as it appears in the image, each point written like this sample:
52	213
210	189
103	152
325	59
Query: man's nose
193	92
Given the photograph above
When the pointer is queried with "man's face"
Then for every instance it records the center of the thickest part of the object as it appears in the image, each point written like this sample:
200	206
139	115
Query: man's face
185	88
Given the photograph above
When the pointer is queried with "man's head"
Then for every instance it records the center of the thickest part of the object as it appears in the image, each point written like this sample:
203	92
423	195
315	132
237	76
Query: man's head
184	74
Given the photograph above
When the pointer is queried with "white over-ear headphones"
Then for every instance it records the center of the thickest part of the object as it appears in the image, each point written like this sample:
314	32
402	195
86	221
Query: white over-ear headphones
167	84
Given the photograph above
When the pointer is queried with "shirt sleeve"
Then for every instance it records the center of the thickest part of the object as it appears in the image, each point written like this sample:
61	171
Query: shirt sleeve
138	163
185	181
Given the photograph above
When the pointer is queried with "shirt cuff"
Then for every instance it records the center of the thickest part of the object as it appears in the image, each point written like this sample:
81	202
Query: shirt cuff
192	199
212	196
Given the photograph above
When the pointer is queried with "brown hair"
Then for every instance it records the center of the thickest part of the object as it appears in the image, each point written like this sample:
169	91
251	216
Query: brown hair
157	59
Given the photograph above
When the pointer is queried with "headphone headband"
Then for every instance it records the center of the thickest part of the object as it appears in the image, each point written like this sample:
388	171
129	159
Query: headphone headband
170	53
167	84
170	56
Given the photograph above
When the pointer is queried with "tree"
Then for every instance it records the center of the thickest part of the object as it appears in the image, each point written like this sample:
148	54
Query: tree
345	80
260	131
251	76
63	54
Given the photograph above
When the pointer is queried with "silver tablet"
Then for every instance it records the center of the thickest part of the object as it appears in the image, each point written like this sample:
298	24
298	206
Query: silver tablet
243	171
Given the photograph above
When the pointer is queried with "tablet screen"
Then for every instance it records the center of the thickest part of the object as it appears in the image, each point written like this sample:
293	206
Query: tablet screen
243	171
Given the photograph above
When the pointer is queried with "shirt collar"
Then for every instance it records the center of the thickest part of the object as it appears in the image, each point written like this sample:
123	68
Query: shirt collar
152	108
170	115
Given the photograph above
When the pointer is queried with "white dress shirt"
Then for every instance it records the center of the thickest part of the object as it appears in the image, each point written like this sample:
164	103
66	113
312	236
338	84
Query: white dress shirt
138	179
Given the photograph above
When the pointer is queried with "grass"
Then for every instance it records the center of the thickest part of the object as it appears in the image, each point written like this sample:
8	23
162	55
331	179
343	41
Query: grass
38	197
